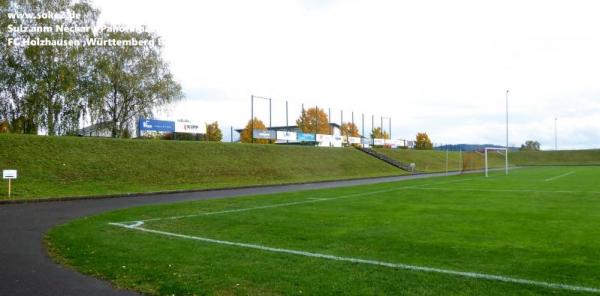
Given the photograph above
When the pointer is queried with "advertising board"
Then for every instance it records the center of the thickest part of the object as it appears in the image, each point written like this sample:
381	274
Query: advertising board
324	138
264	134
156	125
304	137
286	136
190	127
354	140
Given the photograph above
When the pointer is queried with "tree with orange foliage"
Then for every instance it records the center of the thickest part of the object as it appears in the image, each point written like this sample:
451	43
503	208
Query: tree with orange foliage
377	134
423	142
314	120
246	135
349	129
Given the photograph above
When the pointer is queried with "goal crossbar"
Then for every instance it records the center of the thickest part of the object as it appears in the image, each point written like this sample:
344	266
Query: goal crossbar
505	159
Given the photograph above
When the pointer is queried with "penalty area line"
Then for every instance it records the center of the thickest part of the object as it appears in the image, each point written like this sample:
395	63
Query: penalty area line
499	278
560	176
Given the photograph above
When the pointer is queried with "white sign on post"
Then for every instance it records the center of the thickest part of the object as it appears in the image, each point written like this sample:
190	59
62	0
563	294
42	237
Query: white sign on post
9	174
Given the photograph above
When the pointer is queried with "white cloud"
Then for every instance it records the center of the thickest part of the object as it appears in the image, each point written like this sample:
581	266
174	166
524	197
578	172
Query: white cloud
435	66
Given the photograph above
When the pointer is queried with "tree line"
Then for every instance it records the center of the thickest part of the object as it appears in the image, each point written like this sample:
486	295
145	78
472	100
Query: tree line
56	88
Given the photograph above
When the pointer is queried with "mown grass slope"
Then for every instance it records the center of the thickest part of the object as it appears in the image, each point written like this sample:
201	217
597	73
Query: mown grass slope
561	157
71	166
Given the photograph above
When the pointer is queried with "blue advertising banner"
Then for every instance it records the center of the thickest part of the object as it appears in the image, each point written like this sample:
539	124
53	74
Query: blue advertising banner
302	137
156	125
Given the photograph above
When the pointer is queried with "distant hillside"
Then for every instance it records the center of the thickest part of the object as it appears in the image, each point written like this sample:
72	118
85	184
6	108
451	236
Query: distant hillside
471	147
71	166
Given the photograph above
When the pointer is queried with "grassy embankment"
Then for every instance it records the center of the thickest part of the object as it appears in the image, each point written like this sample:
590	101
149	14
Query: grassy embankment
561	157
68	166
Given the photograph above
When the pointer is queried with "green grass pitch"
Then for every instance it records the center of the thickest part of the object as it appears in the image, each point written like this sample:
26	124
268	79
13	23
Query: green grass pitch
534	232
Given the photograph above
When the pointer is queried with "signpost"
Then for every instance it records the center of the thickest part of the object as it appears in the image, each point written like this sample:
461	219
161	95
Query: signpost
9	174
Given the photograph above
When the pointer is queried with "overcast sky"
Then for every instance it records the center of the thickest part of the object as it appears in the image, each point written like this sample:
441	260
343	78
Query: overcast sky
441	67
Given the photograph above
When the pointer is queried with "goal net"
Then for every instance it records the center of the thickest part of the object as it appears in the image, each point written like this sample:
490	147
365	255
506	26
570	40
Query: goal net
488	163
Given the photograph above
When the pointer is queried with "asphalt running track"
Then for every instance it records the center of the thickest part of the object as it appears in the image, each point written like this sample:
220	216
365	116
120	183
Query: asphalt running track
26	268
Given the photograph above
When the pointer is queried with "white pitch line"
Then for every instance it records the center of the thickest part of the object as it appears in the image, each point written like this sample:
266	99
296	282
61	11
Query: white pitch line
475	275
505	190
560	176
308	201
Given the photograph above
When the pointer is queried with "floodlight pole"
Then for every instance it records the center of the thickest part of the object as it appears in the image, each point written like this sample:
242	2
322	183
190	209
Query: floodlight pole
390	126
329	120
287	125
447	159
363	128
460	162
252	112
486	162
316	121
252	117
231	134
381	127
373	130
506	154
555	134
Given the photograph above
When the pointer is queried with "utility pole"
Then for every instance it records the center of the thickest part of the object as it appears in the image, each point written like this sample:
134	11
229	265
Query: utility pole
506	154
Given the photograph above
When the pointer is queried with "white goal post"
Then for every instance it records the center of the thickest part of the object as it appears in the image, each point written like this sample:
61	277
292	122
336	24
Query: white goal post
497	150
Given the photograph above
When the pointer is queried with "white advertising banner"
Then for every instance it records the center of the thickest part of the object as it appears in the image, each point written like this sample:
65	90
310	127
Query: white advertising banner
378	142
286	136
338	141
190	127
354	140
392	143
324	138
